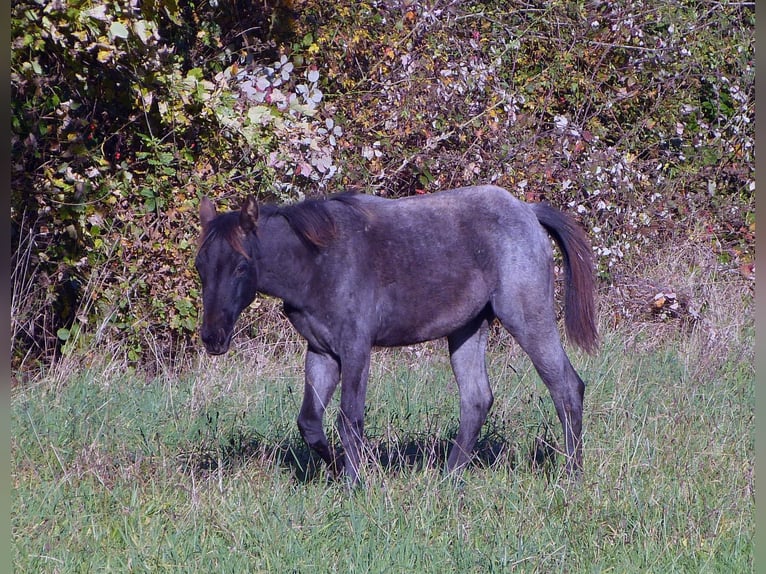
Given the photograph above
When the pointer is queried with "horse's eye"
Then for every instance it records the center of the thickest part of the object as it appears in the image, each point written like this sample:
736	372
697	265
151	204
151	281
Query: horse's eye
241	269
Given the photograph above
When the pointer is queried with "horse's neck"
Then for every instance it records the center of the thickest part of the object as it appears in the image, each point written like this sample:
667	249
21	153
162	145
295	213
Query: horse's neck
285	262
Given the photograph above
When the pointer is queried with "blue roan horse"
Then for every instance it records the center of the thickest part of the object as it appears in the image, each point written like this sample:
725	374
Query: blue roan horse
357	271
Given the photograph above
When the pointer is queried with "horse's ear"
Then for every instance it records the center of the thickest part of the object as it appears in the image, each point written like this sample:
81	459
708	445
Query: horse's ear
248	214
206	211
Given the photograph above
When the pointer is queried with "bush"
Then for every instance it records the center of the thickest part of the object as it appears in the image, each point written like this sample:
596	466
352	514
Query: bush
637	117
116	134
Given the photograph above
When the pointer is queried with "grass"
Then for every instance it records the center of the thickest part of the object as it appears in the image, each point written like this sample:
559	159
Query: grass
205	471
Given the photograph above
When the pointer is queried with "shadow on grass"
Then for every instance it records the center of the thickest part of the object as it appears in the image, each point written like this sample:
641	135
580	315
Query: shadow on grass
392	456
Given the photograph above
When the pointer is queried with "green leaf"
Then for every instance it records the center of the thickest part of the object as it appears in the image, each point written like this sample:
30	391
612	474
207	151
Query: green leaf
259	114
141	29
196	73
63	334
118	30
173	12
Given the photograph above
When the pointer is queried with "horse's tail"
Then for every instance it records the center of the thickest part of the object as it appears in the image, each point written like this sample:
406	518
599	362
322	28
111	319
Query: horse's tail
579	292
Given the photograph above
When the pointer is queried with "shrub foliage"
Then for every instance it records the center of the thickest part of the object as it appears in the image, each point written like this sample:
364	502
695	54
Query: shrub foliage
637	116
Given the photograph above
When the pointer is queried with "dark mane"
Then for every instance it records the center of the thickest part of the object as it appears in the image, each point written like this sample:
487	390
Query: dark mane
225	226
314	220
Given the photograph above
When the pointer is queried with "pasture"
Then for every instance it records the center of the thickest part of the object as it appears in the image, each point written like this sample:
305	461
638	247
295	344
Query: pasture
200	467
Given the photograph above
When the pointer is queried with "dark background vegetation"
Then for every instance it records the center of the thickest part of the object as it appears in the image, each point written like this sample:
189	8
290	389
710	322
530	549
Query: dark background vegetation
637	116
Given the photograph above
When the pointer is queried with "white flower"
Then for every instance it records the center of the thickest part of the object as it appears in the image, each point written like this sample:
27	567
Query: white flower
262	84
314	96
286	70
369	152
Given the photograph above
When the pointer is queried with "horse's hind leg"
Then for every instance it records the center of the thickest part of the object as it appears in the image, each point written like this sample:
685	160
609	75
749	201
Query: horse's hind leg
322	376
567	390
534	328
467	348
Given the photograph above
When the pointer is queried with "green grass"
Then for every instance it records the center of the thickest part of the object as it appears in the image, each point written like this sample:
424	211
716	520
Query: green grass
205	471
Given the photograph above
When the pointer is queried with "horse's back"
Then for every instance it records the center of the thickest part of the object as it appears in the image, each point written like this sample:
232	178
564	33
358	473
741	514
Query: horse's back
484	221
473	208
491	196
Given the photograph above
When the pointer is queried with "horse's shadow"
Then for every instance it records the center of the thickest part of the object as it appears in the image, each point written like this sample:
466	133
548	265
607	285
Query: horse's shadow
392	456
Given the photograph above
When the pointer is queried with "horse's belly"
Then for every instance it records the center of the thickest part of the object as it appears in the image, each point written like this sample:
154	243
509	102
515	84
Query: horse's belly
411	320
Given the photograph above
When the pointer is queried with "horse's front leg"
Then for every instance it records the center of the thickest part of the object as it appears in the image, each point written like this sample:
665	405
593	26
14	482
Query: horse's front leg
355	370
322	376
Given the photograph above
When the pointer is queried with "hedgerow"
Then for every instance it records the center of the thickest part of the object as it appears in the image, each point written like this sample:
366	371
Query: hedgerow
636	116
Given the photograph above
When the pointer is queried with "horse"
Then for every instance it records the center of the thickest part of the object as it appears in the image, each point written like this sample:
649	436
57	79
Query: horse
356	271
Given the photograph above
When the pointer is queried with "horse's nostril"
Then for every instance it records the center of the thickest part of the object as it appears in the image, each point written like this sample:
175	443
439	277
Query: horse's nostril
216	340
210	337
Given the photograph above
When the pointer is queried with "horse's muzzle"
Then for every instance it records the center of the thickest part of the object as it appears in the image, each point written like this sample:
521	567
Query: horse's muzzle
216	341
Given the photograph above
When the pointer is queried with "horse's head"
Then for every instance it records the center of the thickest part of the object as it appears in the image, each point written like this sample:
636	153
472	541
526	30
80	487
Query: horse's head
226	266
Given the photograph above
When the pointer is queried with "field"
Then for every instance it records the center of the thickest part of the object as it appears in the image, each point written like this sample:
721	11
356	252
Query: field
199	467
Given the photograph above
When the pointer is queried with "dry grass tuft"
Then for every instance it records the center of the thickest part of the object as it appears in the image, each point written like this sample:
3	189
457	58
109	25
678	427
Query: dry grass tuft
685	290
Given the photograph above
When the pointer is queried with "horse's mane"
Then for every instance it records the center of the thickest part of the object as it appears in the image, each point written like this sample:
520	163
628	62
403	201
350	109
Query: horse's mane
312	220
226	226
